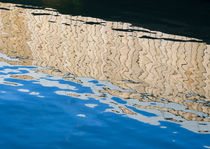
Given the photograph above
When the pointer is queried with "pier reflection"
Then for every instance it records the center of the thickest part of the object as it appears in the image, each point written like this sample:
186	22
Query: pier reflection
150	71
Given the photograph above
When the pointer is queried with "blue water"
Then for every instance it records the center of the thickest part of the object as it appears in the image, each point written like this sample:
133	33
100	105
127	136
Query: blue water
47	120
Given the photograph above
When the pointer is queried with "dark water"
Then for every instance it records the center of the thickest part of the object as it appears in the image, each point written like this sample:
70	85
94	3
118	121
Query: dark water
181	17
104	74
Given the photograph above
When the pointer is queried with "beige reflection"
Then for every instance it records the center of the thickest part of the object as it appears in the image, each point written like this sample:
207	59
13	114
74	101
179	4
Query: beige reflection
163	65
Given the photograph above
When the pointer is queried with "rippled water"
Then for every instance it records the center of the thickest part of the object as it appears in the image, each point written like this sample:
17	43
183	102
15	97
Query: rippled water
81	82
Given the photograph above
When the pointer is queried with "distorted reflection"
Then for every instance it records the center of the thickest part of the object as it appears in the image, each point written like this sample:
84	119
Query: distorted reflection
146	75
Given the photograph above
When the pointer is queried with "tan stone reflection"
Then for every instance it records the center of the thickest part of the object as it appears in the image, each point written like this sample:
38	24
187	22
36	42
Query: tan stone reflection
163	65
14	34
25	77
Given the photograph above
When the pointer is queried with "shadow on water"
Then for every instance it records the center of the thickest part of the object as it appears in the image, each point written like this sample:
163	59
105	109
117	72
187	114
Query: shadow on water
181	17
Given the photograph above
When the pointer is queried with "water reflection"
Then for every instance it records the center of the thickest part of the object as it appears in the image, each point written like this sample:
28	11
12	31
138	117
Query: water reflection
147	75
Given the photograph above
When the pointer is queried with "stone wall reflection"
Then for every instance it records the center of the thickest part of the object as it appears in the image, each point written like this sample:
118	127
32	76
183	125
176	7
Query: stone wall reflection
155	66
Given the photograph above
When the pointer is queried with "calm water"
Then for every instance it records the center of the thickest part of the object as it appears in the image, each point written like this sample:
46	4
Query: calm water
72	81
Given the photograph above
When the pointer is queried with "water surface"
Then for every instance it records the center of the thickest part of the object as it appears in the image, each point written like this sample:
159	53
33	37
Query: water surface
82	82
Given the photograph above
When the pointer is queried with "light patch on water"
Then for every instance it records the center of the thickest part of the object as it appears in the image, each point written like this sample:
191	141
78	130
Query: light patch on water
23	90
208	147
81	115
10	70
2	64
4	56
3	92
41	96
34	93
49	83
91	105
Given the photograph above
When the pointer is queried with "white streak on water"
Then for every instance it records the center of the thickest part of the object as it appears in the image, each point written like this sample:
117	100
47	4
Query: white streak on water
91	105
34	93
10	70
23	90
81	115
